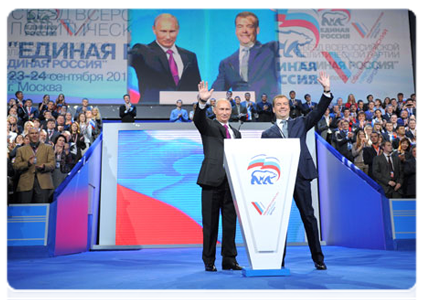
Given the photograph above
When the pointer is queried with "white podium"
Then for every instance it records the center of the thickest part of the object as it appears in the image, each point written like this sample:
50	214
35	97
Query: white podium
261	175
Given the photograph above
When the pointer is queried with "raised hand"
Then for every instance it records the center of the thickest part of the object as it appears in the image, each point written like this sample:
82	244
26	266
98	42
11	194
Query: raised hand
203	91
324	80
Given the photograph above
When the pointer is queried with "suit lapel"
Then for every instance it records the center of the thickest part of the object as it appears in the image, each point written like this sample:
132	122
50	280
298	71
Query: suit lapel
220	128
162	58
276	131
254	52
185	60
234	63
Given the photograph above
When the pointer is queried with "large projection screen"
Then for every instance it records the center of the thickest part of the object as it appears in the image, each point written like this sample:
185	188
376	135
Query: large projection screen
149	195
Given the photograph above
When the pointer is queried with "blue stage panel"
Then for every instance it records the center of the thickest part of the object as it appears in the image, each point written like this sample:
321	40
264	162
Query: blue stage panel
27	224
404	218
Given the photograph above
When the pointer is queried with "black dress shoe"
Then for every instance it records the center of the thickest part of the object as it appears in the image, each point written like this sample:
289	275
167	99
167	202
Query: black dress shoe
320	266
232	266
210	267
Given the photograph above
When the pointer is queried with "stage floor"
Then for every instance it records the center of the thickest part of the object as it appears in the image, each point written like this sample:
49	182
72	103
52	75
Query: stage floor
182	268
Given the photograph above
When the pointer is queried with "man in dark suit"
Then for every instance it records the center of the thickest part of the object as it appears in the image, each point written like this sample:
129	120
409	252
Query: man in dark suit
369	153
412	173
253	67
296	106
127	111
161	65
52	133
216	194
308	105
239	112
286	127
344	141
387	171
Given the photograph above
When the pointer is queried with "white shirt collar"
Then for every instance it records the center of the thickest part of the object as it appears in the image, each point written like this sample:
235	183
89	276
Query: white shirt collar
173	48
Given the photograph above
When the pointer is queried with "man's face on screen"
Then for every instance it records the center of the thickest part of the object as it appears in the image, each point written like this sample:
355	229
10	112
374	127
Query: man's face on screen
166	31
246	30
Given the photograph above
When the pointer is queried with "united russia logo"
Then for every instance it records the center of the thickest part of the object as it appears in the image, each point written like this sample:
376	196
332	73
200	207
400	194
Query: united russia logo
264	169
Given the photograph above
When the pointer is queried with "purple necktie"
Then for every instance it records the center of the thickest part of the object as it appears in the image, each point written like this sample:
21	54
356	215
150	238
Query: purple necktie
228	136
173	67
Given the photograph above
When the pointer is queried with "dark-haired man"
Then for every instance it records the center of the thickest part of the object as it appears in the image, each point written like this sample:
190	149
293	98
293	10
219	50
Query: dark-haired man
286	127
387	171
127	111
253	67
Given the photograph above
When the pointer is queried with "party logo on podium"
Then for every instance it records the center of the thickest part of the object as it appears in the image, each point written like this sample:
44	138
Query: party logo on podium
264	170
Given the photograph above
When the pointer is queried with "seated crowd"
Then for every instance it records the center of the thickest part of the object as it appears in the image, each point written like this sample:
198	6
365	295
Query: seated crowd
69	134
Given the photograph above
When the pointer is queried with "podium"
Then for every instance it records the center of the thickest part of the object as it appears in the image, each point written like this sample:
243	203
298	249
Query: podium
261	175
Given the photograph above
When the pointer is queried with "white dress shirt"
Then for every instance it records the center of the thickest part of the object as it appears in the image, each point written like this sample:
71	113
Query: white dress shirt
176	57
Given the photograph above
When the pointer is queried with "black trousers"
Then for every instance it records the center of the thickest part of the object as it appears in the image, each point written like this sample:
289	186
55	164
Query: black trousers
303	200
215	200
36	195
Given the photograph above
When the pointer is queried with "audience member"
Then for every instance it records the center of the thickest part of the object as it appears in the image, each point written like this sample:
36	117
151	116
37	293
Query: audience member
409	167
11	135
239	112
127	111
34	162
52	133
60	103
351	101
43	105
210	110
179	114
96	116
83	108
28	125
357	151
323	126
344	140
308	106
400	135
86	131
370	152
76	141
296	106
251	108
378	105
387	171
265	110
28	112
64	161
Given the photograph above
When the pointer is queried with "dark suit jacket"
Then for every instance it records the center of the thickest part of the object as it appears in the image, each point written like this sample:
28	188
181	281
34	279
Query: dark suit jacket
53	137
342	144
369	153
127	117
410	176
263	75
297	110
235	113
298	128
152	67
212	173
382	173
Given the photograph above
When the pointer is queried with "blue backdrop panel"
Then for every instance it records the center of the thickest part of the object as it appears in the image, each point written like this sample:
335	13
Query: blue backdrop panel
353	211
